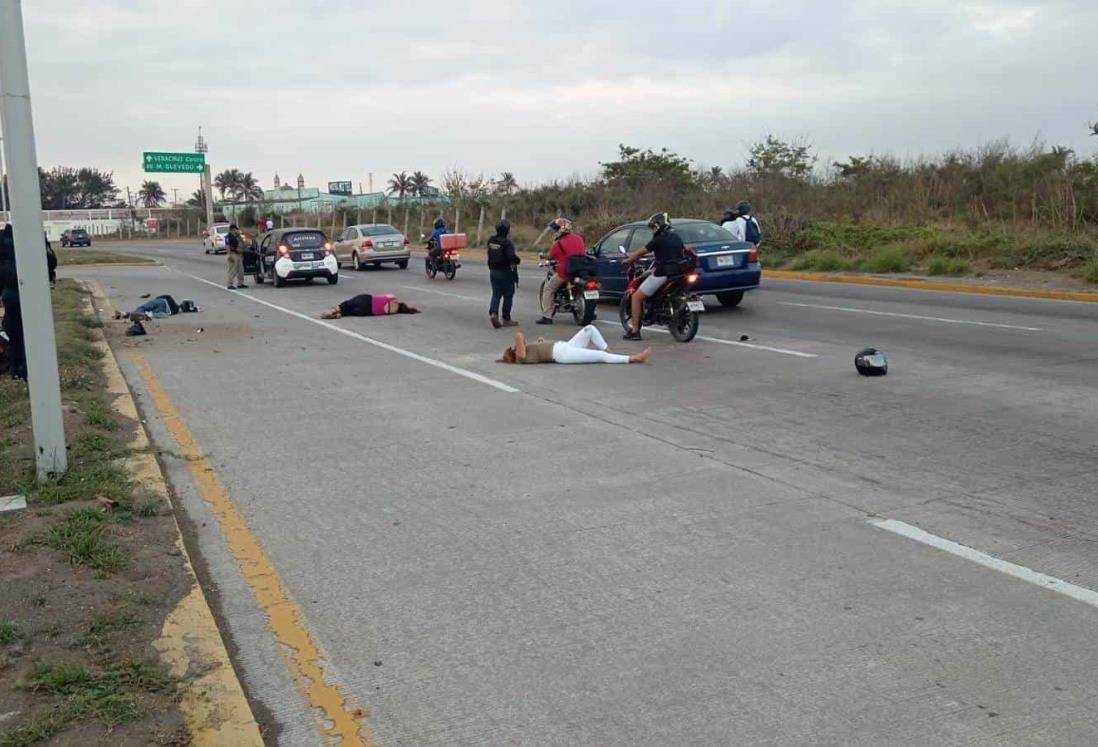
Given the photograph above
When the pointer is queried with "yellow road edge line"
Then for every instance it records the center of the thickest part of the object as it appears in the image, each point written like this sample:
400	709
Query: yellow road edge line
285	618
911	283
214	707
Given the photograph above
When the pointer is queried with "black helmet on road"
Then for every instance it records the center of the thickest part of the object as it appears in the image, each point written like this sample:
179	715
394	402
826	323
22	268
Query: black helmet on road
744	208
503	228
659	223
440	223
871	362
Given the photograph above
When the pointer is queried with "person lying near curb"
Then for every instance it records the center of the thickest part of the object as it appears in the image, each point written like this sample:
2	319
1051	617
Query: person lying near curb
157	308
586	346
365	304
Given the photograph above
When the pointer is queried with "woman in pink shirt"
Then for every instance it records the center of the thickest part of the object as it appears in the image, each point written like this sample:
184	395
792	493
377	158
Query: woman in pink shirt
365	304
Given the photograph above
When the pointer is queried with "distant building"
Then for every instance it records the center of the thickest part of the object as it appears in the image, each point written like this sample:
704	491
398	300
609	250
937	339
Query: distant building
287	199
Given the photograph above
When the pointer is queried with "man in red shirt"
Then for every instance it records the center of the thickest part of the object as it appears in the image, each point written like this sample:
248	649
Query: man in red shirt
568	244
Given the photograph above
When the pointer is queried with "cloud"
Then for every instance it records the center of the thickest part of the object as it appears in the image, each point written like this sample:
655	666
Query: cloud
338	89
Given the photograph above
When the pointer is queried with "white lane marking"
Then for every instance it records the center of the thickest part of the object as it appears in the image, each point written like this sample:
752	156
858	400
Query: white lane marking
721	341
369	340
944	320
441	293
1086	596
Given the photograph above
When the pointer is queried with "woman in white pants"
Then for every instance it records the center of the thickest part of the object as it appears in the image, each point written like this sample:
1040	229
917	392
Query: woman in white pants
586	346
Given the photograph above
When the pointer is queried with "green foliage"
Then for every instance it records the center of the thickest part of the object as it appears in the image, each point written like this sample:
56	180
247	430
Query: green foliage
8	632
822	260
151	194
774	157
64	187
80	535
885	259
1089	271
637	167
948	266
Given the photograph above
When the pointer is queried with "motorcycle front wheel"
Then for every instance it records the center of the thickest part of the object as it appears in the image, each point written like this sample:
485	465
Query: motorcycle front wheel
625	312
684	322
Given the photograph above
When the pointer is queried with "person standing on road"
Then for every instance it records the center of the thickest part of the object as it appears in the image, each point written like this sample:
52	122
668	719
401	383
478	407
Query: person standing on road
13	312
568	244
235	258
502	272
586	346
741	224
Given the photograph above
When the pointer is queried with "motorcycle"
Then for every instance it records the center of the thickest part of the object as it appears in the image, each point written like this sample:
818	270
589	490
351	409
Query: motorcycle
674	305
580	295
446	262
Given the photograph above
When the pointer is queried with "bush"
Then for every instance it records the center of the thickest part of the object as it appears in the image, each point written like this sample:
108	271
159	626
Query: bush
1089	271
948	266
886	259
822	260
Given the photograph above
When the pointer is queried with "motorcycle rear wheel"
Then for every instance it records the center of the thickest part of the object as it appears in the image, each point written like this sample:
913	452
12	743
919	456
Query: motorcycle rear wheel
429	268
583	311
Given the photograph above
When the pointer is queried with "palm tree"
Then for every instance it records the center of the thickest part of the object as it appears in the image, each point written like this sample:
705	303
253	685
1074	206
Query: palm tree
151	194
228	181
400	184
420	183
506	184
198	198
248	188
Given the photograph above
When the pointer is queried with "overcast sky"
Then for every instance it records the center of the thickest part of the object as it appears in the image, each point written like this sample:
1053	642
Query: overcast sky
341	88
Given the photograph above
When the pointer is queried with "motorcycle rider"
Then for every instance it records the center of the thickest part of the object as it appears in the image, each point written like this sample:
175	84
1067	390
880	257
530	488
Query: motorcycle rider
568	244
502	272
669	252
434	245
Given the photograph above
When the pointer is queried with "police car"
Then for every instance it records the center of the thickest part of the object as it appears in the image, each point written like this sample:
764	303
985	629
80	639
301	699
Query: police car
293	254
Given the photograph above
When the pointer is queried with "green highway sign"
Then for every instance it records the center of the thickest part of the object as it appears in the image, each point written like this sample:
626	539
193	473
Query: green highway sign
186	163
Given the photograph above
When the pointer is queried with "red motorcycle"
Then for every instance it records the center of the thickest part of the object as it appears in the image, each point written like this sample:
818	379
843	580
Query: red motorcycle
580	295
674	305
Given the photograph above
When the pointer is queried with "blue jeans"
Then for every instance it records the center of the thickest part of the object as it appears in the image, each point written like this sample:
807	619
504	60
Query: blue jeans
157	308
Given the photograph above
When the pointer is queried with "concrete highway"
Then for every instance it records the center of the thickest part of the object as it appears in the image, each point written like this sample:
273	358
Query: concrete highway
738	543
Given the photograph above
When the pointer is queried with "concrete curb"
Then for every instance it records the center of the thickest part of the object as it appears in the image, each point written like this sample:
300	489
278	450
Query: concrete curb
213	703
931	285
150	263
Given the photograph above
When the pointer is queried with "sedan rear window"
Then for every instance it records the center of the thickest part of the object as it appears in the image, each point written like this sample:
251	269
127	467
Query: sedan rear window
379	230
221	230
78	232
700	232
304	239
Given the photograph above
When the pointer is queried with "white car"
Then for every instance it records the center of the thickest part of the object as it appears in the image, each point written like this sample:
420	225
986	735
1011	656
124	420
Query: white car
214	240
293	254
373	244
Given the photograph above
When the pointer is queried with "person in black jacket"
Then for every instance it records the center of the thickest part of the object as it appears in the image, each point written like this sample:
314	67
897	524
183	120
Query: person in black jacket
503	273
13	312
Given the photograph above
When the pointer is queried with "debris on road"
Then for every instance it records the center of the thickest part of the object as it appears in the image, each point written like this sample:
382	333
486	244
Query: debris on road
871	362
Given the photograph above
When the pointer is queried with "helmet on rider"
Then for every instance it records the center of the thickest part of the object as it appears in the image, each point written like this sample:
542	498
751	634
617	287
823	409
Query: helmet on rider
659	223
743	209
440	223
503	228
561	225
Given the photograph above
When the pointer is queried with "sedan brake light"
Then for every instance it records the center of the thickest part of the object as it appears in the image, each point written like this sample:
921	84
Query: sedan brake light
753	255
367	244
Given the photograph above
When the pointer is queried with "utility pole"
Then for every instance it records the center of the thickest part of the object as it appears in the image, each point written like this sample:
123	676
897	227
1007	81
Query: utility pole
200	146
3	178
30	256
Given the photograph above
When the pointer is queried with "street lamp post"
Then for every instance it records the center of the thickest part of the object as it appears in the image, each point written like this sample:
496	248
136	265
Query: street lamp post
200	146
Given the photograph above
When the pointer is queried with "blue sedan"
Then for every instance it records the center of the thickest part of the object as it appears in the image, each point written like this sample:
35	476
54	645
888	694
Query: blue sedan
727	267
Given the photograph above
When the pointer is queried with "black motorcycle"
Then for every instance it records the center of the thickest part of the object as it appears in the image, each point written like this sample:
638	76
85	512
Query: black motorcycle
674	305
446	262
580	295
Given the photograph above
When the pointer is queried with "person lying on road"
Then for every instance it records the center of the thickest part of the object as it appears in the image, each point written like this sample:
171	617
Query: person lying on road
365	304
157	308
577	350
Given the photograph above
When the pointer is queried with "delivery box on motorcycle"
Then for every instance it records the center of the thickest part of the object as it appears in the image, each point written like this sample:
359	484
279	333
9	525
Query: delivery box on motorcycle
450	241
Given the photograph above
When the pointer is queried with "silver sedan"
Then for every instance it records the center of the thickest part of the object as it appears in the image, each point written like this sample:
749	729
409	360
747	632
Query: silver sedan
372	244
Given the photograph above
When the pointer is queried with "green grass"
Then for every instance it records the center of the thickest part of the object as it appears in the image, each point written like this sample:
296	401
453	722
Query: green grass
8	632
68	257
886	259
149	507
99	632
1089	271
822	260
80	535
948	266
